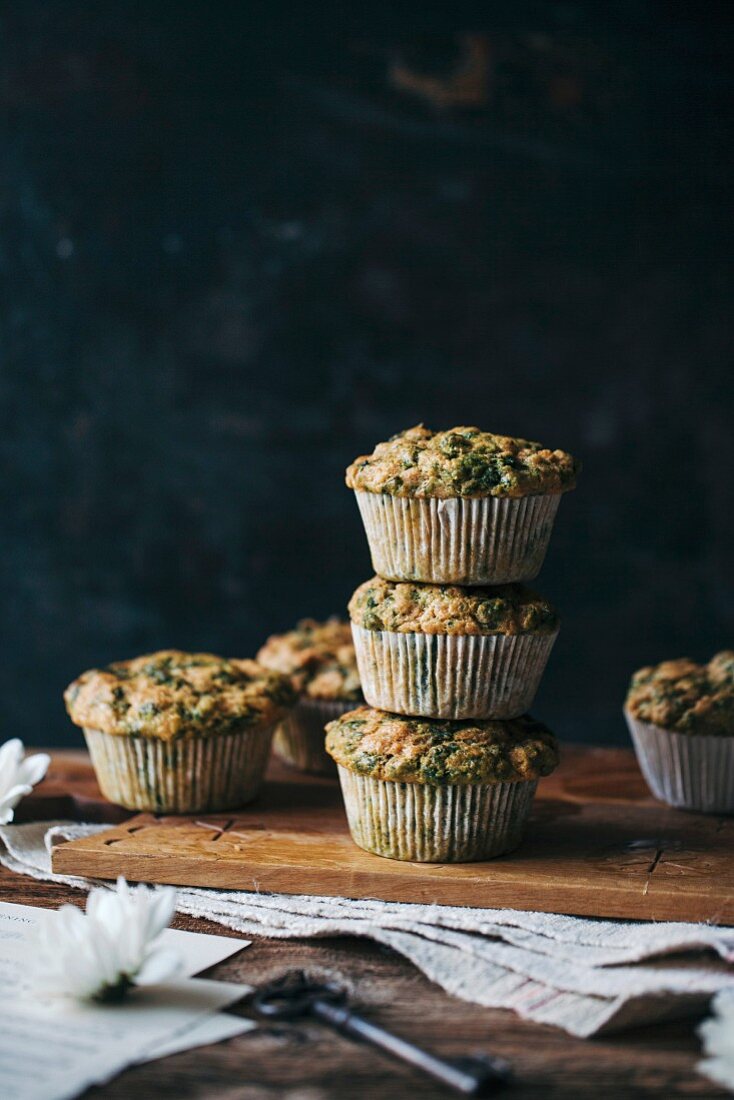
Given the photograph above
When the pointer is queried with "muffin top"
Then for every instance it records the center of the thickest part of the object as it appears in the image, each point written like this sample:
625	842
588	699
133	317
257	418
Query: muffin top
170	694
461	462
318	657
428	750
407	607
685	697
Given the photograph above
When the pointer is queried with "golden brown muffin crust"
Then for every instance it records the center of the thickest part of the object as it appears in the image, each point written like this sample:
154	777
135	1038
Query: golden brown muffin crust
318	657
461	462
407	607
437	752
172	694
685	697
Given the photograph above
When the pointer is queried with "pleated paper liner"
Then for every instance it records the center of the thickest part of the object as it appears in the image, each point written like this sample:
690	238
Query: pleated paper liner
458	823
688	772
299	739
190	775
451	675
470	541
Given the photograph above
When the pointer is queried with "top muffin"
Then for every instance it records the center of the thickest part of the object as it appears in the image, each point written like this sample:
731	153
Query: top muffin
406	607
461	462
318	657
426	750
685	697
171	694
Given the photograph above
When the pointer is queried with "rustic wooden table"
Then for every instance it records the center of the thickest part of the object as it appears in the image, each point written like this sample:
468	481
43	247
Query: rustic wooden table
305	1061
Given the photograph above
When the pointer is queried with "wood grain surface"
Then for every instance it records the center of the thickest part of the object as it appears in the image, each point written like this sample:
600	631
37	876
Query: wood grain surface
305	1061
597	845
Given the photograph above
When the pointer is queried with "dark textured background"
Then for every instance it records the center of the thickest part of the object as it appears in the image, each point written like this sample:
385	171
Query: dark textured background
240	248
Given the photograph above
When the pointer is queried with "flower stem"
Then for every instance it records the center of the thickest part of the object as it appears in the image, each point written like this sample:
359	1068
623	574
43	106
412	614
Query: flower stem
113	994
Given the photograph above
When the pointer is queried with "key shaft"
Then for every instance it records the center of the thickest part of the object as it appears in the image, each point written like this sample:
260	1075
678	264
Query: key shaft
474	1077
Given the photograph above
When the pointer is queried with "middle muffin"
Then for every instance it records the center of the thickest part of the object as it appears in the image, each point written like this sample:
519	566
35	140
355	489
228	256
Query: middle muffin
441	651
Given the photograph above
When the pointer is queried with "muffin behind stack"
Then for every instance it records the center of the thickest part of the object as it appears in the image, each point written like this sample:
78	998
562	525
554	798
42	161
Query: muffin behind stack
442	766
320	662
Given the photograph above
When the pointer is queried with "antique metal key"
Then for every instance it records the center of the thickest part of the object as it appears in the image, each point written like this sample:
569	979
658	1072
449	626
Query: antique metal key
295	995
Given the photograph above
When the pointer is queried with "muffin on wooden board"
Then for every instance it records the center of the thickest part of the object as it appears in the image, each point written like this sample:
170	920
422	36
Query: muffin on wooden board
443	651
174	732
438	791
320	661
681	718
461	506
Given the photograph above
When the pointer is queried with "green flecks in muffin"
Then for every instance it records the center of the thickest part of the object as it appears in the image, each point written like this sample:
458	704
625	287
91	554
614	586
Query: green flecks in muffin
453	445
148	710
414	750
407	607
171	694
462	462
686	697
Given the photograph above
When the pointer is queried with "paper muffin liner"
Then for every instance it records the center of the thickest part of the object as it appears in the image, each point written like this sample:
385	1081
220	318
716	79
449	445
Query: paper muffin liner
190	775
299	739
451	675
487	540
688	772
459	823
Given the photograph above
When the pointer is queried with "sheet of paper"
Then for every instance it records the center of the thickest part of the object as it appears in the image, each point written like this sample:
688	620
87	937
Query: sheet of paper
212	1029
55	1048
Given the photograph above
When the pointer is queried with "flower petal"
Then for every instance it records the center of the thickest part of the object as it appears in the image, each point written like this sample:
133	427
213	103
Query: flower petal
11	753
158	966
163	906
14	795
33	768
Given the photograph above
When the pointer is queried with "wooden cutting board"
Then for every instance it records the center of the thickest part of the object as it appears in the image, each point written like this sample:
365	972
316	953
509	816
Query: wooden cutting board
597	845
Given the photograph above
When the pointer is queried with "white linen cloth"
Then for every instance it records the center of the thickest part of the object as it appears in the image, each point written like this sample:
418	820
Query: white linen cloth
717	1034
585	976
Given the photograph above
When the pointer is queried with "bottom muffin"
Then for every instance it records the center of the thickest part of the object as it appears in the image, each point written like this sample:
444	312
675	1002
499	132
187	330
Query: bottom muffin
434	791
681	720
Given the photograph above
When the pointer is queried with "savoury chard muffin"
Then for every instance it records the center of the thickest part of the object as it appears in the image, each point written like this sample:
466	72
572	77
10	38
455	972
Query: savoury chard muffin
681	718
442	651
320	661
175	732
438	791
461	506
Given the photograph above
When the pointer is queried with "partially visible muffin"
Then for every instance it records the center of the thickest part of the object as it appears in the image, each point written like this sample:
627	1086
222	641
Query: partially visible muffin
462	506
685	697
320	660
177	732
318	657
443	651
438	791
681	718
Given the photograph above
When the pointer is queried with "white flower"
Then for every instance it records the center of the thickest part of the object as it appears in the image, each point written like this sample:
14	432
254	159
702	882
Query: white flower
115	944
18	775
717	1034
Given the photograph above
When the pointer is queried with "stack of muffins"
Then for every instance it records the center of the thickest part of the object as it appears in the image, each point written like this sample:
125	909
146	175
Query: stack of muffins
443	763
